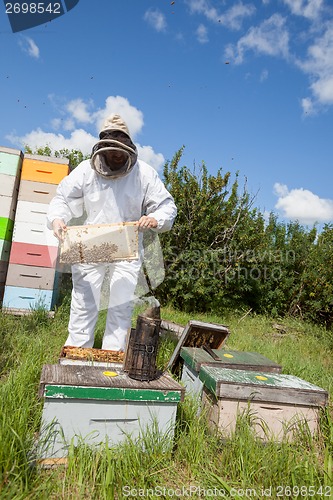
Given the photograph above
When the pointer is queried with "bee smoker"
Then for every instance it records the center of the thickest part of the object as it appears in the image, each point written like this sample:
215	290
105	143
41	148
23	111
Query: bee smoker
142	347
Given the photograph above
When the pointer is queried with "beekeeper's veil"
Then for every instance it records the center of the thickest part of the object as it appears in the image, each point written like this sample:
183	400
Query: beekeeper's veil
114	155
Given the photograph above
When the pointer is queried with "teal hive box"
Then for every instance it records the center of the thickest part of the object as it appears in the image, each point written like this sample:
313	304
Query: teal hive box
10	161
194	358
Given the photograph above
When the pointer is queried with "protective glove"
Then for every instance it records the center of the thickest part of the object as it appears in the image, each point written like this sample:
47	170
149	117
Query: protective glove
59	227
146	222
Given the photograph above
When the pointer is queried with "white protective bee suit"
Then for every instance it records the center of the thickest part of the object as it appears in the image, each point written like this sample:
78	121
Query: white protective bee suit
109	196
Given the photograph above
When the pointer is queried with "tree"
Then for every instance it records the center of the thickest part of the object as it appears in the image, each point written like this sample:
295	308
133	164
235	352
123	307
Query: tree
201	255
74	155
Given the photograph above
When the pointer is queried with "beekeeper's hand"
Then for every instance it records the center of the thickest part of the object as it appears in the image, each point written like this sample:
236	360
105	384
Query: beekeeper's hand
59	227
146	222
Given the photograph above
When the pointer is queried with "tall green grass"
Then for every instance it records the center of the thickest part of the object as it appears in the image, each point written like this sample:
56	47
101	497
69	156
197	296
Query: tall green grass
196	461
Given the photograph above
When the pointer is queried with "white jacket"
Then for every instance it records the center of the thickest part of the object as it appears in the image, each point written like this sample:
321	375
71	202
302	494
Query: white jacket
124	199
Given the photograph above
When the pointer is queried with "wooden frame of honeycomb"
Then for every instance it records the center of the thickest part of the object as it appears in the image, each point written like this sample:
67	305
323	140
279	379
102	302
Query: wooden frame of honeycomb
92	354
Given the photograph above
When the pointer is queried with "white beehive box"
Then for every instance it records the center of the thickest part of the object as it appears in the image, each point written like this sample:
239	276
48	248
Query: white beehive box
89	403
99	243
278	403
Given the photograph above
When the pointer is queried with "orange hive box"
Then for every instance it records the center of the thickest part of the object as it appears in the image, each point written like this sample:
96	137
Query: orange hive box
44	169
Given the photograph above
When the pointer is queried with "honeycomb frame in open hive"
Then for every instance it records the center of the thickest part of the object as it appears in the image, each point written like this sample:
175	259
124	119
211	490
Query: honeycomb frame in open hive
91	356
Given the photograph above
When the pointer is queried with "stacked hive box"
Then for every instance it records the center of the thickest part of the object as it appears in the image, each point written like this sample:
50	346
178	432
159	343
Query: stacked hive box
10	170
229	383
32	277
194	359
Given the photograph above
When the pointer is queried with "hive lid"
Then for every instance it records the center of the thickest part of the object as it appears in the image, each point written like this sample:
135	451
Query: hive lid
226	358
260	386
50	159
11	151
197	334
94	243
92	382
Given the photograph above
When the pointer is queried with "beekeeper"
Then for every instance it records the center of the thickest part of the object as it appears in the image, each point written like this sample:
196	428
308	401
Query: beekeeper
113	186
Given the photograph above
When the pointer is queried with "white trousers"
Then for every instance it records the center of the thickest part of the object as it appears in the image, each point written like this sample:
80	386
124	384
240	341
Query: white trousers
86	296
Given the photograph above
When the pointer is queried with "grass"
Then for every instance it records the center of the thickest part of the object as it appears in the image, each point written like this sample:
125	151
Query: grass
197	462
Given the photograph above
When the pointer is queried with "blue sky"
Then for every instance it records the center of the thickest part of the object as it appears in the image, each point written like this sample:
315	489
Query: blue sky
245	86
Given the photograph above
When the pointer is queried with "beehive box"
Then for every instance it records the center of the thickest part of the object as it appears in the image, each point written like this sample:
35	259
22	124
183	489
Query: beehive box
29	211
91	356
3	274
7	206
6	228
23	300
99	243
33	255
5	250
196	334
44	169
43	278
278	403
9	185
194	358
34	234
10	161
36	192
87	404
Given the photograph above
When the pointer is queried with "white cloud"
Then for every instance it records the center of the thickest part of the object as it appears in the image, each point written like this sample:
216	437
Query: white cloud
147	154
309	9
203	7
201	33
319	65
83	140
270	38
307	106
56	123
69	124
323	89
79	139
120	105
79	111
29	46
303	205
231	18
156	19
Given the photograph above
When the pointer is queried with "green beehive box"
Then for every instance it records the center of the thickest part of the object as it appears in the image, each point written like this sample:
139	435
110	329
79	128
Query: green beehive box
226	358
194	358
6	228
10	161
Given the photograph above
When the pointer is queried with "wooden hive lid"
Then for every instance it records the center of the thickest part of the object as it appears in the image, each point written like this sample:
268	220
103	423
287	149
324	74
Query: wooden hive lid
197	334
226	358
261	386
